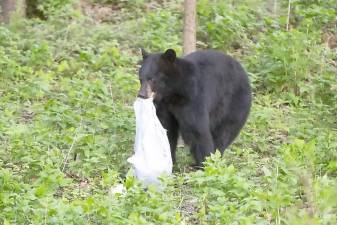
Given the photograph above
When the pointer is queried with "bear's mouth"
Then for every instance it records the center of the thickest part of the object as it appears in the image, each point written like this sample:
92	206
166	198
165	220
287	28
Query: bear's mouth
152	95
146	91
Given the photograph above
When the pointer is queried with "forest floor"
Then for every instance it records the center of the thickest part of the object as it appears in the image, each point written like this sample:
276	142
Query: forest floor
67	90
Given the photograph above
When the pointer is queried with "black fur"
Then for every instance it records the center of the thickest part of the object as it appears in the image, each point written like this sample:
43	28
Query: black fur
206	96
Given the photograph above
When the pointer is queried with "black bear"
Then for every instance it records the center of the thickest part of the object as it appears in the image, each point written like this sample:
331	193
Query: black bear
206	96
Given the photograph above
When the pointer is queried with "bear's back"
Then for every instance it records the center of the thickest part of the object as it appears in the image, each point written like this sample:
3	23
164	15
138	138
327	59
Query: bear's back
219	71
205	55
222	79
214	60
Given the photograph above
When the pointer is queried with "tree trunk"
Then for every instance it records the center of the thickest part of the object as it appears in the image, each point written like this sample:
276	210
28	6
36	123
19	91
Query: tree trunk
7	8
189	39
189	36
288	17
275	8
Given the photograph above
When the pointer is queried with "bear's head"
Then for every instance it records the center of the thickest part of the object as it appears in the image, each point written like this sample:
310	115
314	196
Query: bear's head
158	74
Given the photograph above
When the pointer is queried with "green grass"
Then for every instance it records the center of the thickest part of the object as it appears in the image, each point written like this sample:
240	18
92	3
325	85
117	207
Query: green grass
67	86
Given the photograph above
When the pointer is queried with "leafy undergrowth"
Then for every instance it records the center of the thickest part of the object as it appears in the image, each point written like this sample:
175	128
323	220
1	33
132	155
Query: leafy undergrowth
67	123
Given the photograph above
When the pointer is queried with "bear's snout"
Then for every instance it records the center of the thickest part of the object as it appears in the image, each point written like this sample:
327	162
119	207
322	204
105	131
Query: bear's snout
145	91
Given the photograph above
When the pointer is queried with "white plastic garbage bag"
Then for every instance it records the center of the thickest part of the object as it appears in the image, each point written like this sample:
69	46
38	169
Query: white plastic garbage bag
152	155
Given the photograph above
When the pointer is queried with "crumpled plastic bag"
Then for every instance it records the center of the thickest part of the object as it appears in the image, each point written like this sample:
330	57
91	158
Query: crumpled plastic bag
152	155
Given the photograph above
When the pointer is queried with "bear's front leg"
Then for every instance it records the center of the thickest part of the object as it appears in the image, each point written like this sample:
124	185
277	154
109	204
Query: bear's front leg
195	131
171	125
202	147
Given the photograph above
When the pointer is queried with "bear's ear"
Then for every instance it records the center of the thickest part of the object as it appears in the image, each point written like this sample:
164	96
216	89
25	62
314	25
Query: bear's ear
170	55
145	54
